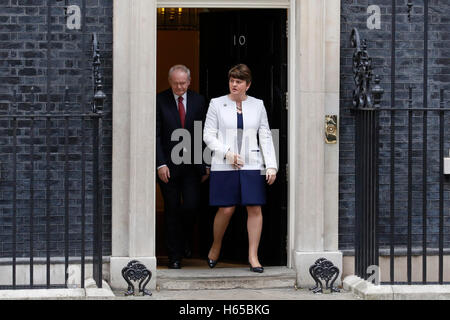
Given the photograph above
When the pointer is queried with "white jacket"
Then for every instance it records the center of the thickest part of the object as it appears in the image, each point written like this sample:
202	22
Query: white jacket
220	134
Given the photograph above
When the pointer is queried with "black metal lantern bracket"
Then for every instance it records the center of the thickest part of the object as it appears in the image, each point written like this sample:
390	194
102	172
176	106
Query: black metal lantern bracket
99	98
364	96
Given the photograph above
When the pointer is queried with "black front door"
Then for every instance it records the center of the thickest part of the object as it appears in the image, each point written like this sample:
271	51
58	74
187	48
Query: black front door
257	38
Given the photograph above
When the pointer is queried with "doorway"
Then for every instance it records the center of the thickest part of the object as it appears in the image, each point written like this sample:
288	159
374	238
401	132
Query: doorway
213	40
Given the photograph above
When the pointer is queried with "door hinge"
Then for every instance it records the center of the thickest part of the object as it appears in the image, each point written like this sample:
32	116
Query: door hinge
287	171
287	28
286	98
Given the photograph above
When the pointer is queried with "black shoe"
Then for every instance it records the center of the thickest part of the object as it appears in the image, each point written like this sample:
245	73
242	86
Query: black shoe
211	263
175	264
257	269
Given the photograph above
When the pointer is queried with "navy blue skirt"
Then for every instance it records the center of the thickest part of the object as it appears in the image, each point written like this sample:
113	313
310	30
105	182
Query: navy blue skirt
237	187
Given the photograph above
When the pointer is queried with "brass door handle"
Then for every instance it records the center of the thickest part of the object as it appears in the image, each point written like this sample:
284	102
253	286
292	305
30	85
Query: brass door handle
331	129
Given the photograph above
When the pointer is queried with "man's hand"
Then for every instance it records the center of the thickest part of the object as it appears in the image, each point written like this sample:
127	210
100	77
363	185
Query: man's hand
164	174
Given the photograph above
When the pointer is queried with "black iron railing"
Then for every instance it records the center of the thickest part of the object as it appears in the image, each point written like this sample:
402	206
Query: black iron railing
51	190
46	187
97	108
423	212
406	214
424	209
366	109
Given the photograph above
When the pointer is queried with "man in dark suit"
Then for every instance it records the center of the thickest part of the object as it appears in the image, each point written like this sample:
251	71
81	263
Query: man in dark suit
179	108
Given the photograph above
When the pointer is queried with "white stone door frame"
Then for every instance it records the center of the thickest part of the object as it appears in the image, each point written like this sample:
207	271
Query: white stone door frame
313	91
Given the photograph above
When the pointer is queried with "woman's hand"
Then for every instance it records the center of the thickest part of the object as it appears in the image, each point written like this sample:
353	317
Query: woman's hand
271	175
205	176
234	159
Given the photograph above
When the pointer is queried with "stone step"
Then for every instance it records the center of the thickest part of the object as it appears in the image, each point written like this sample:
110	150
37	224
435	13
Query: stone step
225	278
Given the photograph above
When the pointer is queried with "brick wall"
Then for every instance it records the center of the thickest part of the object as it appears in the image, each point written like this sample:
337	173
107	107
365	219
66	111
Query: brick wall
30	51
409	69
39	57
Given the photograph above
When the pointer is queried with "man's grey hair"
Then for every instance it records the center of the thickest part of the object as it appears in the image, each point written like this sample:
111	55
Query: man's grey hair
182	68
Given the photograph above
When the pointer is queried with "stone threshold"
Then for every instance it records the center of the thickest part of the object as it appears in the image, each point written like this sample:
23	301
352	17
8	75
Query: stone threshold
225	278
368	291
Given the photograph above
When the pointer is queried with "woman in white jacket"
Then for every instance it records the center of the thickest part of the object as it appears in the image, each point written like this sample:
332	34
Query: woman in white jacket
241	166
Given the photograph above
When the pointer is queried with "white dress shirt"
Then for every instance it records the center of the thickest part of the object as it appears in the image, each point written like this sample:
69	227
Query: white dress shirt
184	101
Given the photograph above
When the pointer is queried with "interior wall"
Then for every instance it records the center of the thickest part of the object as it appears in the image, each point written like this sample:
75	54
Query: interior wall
177	47
173	47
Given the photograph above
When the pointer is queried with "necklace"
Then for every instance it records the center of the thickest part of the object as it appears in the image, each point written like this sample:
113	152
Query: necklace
239	107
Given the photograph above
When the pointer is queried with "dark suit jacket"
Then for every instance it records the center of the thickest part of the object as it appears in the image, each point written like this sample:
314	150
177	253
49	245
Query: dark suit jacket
168	120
